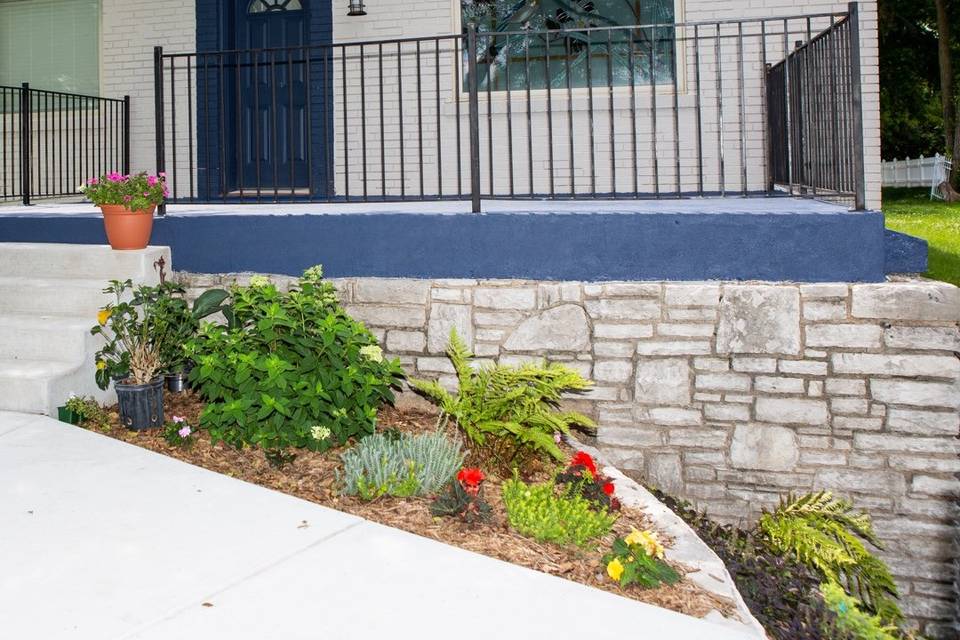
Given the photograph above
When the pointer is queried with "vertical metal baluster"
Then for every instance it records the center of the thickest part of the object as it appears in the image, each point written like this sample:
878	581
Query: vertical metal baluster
743	111
308	84
719	71
363	120
274	138
474	114
206	125
652	79
190	124
221	90
593	152
436	64
810	146
257	151
403	175
493	42
419	120
631	64
326	120
238	127
346	130
506	70
65	179
383	147
786	100
856	99
610	112
546	76
526	73
699	106
456	105
834	107
291	150
676	113
46	140
573	183
764	110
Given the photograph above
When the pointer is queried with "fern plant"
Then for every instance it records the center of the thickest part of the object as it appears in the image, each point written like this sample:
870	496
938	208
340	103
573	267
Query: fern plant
518	406
826	534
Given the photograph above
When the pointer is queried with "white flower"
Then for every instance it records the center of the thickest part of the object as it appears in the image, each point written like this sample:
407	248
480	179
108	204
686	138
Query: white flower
372	352
81	188
319	432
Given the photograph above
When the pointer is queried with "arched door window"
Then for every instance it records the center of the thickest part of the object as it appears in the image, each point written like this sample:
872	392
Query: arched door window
269	6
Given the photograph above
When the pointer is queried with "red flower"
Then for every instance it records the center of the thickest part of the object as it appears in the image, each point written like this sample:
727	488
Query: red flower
471	477
583	459
608	488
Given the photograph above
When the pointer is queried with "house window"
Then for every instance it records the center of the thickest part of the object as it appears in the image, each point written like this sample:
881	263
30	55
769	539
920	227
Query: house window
52	44
268	6
639	55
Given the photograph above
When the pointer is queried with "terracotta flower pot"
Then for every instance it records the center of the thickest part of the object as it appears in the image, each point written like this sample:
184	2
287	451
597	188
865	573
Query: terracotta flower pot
127	229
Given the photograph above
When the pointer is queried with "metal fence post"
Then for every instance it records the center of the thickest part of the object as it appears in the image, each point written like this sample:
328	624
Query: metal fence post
126	135
474	113
158	115
25	142
859	180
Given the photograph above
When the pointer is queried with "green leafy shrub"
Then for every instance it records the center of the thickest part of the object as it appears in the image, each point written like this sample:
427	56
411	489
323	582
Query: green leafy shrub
509	409
383	464
852	619
290	369
638	559
826	534
91	414
538	512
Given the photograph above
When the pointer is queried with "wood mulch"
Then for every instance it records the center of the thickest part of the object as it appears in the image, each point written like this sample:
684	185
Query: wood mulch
310	476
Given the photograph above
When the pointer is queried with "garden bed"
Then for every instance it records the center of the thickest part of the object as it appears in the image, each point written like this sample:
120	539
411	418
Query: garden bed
312	476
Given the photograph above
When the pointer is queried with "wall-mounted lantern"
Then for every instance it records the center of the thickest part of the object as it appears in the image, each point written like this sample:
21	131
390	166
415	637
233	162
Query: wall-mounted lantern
356	8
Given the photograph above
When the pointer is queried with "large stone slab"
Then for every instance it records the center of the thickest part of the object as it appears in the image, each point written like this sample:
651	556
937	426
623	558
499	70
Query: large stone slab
907	301
662	381
759	319
563	328
764	447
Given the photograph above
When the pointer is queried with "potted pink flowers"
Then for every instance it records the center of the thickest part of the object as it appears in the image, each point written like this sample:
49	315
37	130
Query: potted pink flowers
128	203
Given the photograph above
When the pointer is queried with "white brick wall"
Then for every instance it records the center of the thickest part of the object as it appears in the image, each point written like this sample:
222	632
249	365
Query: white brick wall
130	32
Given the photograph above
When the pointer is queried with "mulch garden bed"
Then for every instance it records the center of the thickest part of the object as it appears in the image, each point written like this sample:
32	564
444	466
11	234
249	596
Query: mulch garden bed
311	476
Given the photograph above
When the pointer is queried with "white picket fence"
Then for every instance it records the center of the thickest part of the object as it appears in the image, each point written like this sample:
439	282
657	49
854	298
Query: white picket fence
915	172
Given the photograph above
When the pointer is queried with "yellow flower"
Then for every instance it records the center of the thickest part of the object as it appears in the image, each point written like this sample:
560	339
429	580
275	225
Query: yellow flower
103	315
647	540
101	365
615	568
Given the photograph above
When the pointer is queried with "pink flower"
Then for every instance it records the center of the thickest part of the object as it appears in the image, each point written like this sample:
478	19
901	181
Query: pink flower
127	198
146	194
113	176
179	419
152	181
93	181
184	432
162	174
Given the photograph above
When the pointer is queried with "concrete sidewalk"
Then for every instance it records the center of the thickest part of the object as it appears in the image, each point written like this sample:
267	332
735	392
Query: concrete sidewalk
101	539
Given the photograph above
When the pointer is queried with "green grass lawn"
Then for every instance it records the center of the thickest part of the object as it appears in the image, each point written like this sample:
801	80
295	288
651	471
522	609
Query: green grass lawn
911	211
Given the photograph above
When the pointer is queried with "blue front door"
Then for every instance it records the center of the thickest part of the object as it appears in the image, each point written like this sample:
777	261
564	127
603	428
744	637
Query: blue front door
270	121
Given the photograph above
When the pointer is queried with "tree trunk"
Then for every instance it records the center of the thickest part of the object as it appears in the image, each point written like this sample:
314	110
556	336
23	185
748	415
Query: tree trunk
951	128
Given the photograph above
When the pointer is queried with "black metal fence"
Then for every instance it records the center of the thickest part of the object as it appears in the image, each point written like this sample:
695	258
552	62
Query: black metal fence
815	115
52	141
646	111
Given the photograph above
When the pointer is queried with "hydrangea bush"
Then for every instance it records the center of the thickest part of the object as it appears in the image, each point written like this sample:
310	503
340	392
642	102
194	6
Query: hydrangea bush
290	369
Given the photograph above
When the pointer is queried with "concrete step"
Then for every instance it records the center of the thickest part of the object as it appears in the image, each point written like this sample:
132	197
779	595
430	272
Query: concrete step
40	386
33	337
52	297
93	262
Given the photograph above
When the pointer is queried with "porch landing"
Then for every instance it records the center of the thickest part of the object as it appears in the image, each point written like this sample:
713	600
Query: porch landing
775	238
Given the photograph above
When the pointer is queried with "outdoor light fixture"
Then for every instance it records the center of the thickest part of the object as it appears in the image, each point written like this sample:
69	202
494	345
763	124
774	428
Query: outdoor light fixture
356	8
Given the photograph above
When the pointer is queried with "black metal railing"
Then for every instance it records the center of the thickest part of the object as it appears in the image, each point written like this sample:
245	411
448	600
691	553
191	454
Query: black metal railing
646	111
815	115
52	141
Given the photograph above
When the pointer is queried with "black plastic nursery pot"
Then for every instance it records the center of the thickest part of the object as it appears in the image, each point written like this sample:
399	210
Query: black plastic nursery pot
141	405
176	382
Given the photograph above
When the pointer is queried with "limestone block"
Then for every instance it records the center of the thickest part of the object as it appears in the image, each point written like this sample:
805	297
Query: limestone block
506	298
754	365
804	367
759	319
940	338
924	422
667	348
443	318
685	330
625	309
792	411
612	371
897	364
846	480
824	310
692	295
376	315
907	301
664	471
847	336
663	381
823	290
775	384
723	381
391	290
622	331
846	387
764	447
675	416
400	341
563	328
916	394
725	412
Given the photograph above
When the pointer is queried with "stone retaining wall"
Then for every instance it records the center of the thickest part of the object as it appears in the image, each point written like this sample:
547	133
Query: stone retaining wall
732	394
